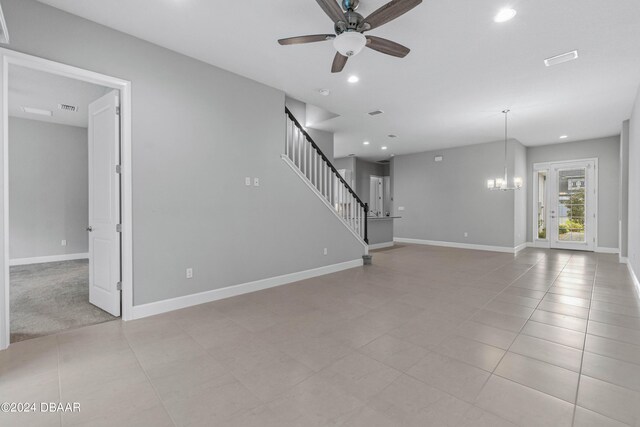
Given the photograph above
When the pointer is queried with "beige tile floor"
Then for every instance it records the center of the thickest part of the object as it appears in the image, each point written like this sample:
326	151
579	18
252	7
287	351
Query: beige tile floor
426	336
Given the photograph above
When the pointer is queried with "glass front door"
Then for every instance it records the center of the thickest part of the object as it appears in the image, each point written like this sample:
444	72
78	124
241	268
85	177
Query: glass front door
571	217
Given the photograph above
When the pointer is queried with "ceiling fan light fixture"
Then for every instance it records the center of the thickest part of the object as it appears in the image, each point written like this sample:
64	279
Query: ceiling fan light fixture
350	43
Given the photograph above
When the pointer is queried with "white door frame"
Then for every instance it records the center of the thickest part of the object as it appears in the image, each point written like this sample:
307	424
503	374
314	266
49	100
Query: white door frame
549	167
10	58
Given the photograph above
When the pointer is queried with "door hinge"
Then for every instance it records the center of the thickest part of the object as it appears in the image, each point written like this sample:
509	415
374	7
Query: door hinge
119	286
117	111
118	169
119	228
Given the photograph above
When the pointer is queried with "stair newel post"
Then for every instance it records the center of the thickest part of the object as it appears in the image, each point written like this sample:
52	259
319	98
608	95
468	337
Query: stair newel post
366	220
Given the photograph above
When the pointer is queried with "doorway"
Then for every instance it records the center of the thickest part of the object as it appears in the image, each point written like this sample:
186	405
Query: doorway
376	195
107	261
565	205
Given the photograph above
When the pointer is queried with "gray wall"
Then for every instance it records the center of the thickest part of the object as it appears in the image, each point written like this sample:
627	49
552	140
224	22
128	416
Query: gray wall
48	189
187	117
444	200
623	203
347	163
634	188
520	197
607	150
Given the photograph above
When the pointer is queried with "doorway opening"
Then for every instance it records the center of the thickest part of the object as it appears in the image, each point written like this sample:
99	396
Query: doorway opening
63	135
67	198
565	199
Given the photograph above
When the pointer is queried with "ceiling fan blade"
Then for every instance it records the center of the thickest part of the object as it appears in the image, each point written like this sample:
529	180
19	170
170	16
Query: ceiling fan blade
387	46
333	9
306	39
338	63
389	12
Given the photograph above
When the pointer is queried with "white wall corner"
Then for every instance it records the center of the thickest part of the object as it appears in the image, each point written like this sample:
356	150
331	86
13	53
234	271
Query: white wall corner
154	308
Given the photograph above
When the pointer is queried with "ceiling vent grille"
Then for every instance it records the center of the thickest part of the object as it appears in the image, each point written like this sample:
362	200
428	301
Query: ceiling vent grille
384	162
376	113
69	108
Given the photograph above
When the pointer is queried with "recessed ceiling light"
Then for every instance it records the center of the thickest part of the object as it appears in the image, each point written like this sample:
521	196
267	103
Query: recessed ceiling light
37	111
324	92
366	143
505	15
353	79
560	59
564	137
384	148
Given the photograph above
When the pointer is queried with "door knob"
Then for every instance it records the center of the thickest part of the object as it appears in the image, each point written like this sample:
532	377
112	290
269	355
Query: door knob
89	229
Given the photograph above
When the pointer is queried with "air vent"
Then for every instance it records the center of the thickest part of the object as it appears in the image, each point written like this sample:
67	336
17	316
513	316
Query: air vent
376	113
392	136
384	162
561	59
67	107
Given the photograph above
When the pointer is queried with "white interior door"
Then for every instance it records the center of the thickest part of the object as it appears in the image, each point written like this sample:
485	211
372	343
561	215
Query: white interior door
572	214
375	196
104	203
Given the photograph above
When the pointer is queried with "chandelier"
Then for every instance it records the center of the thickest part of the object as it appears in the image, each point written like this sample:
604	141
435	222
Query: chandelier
502	183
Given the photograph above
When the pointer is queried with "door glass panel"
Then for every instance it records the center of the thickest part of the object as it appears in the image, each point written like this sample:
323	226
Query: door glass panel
541	199
571	205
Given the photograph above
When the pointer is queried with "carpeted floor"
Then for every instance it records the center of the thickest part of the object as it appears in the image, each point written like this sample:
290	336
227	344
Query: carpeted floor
52	297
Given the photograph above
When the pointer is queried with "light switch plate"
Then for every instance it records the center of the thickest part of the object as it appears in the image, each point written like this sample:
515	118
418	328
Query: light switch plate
247	181
189	273
63	243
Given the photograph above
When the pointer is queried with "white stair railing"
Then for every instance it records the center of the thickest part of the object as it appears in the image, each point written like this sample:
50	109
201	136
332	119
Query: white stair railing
324	177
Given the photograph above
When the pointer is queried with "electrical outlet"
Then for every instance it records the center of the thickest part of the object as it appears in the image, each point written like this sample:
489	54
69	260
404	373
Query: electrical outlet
325	251
189	273
401	208
247	181
256	182
466	234
63	243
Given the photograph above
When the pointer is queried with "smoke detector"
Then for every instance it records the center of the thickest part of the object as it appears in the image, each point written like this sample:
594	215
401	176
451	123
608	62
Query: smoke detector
67	107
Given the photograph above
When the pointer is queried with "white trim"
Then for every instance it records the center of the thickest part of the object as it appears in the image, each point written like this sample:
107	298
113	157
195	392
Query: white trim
10	57
603	250
521	247
634	277
151	309
623	260
503	249
380	246
304	179
45	259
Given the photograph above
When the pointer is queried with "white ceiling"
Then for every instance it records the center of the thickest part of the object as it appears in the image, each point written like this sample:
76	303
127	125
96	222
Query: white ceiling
44	91
462	71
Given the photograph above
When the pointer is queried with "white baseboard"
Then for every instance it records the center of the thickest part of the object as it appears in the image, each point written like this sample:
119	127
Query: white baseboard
623	260
151	309
634	277
380	246
521	247
44	259
602	250
503	249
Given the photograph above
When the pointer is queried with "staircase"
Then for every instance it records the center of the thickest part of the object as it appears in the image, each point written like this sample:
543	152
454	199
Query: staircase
310	163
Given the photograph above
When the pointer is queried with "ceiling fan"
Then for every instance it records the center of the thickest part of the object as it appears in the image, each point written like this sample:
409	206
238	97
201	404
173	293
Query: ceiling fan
349	27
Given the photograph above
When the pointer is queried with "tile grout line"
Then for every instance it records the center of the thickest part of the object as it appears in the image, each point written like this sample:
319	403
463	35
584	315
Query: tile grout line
520	332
